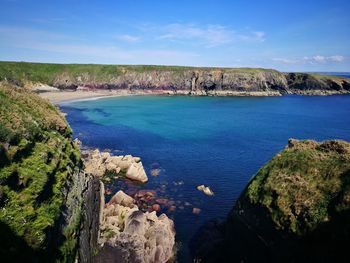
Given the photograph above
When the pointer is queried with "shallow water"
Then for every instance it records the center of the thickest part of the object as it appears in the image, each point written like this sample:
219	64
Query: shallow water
216	141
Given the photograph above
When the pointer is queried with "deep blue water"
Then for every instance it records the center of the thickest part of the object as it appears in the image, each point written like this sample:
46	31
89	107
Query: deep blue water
216	141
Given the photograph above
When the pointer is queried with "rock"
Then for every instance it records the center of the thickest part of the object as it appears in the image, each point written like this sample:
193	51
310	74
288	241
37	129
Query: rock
156	207
129	235
208	191
295	208
196	210
137	159
200	187
137	173
155	172
98	163
122	199
205	189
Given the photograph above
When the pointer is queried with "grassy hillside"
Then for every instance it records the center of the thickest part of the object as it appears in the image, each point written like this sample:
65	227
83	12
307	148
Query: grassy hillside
37	159
304	186
22	72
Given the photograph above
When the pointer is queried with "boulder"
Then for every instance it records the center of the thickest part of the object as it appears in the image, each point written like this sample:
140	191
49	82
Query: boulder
129	235
123	199
205	189
137	173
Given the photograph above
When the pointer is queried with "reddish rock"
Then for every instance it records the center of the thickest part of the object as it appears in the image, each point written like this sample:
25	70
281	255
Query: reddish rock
156	207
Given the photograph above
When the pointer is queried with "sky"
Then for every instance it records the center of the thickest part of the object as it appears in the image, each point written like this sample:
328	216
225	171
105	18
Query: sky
285	35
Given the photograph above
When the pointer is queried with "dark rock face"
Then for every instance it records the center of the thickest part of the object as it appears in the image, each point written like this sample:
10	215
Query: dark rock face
301	83
296	209
90	221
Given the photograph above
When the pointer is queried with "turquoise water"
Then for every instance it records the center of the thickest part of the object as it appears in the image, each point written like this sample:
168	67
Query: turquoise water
216	141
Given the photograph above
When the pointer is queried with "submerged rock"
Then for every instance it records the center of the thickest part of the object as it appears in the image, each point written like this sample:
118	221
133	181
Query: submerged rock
130	235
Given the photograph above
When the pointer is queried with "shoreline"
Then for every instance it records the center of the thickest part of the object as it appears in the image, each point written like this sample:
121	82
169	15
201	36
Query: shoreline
61	97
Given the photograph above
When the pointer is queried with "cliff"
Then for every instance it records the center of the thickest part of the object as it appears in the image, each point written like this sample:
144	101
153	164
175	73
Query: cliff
295	209
42	185
171	79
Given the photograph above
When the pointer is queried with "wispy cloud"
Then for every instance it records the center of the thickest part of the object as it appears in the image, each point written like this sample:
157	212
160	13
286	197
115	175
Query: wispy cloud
39	40
317	59
128	38
208	35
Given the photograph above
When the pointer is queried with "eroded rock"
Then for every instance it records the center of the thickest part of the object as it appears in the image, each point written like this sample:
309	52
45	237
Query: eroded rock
99	163
129	235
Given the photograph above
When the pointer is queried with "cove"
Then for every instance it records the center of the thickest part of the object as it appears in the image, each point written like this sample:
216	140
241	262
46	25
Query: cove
216	141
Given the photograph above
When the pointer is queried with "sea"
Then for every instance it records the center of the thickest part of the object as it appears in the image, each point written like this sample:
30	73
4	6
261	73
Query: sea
220	142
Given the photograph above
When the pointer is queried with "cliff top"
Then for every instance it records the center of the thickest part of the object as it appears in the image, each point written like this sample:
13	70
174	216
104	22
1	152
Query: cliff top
305	185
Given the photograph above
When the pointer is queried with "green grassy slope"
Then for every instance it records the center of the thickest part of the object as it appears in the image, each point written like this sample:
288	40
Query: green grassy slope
37	159
21	72
304	186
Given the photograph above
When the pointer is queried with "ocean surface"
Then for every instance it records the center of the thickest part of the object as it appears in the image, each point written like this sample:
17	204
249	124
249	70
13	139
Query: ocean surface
220	142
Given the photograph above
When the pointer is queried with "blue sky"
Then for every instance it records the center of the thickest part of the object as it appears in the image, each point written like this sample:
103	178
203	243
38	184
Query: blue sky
286	35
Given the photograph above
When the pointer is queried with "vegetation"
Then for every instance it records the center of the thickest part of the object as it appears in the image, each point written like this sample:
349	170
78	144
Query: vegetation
304	186
22	73
37	161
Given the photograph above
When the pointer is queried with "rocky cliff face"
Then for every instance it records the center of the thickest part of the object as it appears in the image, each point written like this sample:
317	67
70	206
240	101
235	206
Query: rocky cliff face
191	82
295	209
172	80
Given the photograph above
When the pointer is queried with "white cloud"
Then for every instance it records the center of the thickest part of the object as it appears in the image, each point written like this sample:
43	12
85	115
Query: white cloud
337	58
128	38
209	35
317	59
39	40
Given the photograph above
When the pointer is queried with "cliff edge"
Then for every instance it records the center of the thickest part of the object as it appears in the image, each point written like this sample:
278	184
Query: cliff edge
295	209
172	80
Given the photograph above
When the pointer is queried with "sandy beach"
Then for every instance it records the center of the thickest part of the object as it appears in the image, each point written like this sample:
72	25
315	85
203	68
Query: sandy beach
57	97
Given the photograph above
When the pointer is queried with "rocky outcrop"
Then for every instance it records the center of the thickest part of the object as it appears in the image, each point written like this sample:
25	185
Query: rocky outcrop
308	84
173	80
90	220
295	209
99	163
130	235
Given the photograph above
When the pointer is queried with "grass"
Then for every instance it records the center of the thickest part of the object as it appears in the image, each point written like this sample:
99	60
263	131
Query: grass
22	73
303	186
38	160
